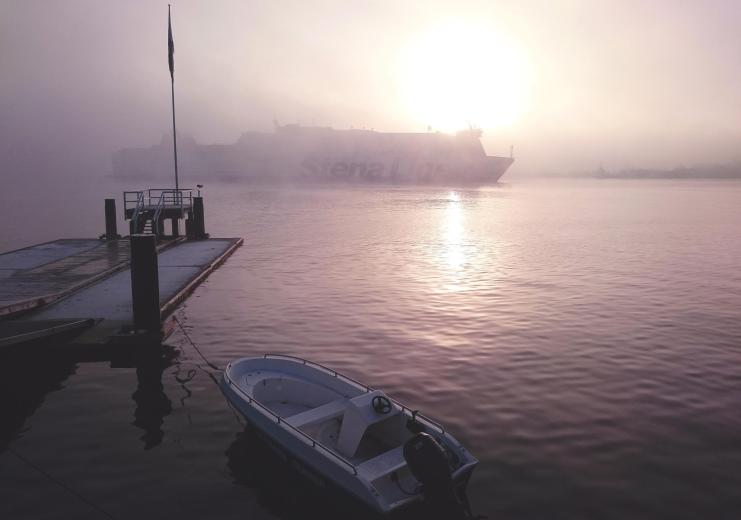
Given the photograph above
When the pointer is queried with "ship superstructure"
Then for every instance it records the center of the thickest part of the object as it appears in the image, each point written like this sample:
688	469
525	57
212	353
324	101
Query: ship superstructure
296	153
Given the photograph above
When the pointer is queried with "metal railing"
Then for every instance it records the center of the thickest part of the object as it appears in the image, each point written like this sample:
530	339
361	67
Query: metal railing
182	198
413	413
154	201
137	199
173	198
313	442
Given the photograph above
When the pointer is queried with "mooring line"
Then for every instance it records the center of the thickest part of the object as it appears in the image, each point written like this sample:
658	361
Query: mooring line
62	484
209	374
195	346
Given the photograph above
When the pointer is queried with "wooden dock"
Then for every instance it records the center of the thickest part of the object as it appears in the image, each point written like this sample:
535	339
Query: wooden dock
49	287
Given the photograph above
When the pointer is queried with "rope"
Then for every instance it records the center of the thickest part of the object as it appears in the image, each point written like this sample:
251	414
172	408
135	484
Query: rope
62	485
208	373
195	346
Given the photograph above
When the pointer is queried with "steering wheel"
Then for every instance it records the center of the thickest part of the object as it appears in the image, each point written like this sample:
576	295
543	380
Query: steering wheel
381	404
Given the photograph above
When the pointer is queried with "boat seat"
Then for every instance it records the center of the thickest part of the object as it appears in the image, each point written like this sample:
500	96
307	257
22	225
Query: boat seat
359	416
324	412
383	464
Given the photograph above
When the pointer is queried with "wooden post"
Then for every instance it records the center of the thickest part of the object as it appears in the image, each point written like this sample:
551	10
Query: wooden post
111	233
189	226
199	218
145	289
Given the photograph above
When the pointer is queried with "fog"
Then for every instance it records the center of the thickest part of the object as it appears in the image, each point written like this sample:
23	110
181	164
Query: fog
618	83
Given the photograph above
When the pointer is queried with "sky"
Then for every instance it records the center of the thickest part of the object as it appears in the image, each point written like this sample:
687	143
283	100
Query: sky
571	84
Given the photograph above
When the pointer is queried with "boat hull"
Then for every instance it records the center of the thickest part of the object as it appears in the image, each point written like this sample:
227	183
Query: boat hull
295	154
296	448
273	393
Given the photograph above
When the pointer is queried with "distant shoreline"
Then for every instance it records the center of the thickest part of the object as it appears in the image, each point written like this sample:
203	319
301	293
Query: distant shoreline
708	171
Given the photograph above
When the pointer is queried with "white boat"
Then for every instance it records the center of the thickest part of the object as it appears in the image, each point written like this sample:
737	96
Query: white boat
357	438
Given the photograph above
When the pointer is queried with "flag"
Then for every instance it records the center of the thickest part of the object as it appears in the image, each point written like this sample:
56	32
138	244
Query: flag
170	46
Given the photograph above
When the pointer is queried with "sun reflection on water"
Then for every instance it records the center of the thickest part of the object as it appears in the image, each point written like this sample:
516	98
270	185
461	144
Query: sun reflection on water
453	233
454	251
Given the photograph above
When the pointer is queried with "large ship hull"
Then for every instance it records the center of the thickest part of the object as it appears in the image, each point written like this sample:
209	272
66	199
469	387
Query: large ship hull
309	154
403	170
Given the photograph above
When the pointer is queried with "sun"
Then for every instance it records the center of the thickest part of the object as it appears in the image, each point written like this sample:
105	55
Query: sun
461	74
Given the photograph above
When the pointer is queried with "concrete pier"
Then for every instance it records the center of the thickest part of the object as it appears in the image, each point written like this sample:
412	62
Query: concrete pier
180	269
58	283
36	276
115	290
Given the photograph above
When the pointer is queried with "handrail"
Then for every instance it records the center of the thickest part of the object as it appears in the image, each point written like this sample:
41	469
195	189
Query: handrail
293	429
137	209
159	199
415	415
157	213
181	197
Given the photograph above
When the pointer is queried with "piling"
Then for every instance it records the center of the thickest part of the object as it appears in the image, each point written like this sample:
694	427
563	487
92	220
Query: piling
145	293
111	231
199	224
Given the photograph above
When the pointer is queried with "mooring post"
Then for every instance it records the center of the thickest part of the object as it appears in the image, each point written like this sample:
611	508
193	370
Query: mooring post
199	222
145	287
111	233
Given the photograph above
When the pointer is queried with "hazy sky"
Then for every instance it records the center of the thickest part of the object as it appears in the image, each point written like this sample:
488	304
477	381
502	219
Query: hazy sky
570	83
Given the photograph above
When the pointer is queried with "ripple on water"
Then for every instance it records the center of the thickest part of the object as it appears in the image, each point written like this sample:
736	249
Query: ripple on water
580	338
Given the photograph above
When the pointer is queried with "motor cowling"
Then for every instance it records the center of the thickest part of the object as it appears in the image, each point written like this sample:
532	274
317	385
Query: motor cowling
428	462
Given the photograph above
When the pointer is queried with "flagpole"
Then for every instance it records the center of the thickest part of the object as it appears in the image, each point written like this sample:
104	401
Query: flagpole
174	135
171	52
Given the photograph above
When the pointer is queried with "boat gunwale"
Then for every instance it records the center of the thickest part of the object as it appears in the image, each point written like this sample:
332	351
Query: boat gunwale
414	414
313	442
315	364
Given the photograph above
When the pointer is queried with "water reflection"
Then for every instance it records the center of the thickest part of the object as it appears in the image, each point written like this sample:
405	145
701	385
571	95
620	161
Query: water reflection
280	488
455	254
152	404
288	493
453	233
24	384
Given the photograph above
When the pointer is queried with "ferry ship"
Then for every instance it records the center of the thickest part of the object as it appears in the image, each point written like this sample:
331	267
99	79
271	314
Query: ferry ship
294	153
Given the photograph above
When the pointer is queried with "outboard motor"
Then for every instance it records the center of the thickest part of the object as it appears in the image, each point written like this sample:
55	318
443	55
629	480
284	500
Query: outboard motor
428	463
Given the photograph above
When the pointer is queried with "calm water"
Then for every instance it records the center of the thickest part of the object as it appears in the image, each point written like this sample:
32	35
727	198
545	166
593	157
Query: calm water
581	338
